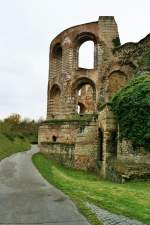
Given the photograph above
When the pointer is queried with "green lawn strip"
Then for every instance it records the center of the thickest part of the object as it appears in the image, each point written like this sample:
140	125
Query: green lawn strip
130	199
9	147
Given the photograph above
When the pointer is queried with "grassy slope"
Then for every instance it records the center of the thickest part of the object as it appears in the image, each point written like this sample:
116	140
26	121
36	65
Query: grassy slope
130	199
8	147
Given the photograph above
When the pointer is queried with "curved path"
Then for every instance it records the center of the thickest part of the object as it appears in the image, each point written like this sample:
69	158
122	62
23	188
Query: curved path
26	198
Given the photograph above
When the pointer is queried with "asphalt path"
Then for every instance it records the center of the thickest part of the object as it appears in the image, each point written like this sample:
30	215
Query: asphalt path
27	198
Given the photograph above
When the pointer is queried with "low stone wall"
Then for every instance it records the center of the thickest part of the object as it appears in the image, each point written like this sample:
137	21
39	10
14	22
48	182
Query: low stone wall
94	145
131	163
127	153
123	171
121	161
73	144
60	152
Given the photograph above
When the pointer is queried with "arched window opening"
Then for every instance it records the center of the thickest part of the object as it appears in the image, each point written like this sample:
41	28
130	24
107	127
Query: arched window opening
55	91
56	60
85	99
54	138
55	99
57	51
86	55
84	92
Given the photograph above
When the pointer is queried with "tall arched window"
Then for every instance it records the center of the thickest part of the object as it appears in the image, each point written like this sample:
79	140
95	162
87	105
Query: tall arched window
86	55
55	99
56	60
57	51
84	93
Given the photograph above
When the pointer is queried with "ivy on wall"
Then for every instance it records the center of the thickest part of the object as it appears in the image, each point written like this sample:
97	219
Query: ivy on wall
116	42
146	59
131	106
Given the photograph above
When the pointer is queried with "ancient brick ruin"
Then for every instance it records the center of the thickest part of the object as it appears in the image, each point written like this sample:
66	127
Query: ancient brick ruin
80	130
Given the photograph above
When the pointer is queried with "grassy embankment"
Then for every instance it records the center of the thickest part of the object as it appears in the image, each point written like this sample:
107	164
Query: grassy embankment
17	134
9	146
130	199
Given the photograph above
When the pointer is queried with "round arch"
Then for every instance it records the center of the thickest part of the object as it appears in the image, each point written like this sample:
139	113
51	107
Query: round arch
54	91
55	58
84	94
86	44
117	71
85	36
117	80
57	51
83	81
54	100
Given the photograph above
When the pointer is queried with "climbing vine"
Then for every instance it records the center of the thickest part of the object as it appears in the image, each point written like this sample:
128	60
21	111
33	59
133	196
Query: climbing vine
131	106
116	42
145	61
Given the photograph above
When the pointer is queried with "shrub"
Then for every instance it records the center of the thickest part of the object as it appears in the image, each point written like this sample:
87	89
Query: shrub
9	146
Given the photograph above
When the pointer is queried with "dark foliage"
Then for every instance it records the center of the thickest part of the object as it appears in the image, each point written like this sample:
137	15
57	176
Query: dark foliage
116	42
146	59
131	106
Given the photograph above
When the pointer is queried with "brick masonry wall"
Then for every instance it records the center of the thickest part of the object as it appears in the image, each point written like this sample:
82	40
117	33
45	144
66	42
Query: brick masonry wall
74	144
79	145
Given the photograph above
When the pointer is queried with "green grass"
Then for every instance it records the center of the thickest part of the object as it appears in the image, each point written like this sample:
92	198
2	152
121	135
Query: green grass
130	199
10	146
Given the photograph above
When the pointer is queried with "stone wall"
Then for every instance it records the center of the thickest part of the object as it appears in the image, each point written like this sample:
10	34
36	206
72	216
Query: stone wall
121	161
72	143
68	135
86	147
64	67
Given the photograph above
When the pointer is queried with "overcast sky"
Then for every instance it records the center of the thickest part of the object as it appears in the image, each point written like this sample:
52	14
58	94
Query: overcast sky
26	30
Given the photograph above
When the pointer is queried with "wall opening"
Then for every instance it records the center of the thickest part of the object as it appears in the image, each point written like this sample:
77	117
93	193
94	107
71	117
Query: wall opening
57	51
85	99
81	108
55	99
54	138
55	91
100	156
86	55
56	60
84	94
113	143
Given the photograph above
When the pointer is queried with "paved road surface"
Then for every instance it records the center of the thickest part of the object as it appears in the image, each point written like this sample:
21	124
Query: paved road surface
26	198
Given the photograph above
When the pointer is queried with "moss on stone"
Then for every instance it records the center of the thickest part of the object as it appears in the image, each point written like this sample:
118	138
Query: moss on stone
74	119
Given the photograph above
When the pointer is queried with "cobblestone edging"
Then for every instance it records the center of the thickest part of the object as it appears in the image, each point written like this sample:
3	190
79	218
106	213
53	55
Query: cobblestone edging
110	218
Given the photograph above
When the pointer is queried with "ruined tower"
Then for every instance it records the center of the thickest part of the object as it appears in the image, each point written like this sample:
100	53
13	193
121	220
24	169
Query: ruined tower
80	130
